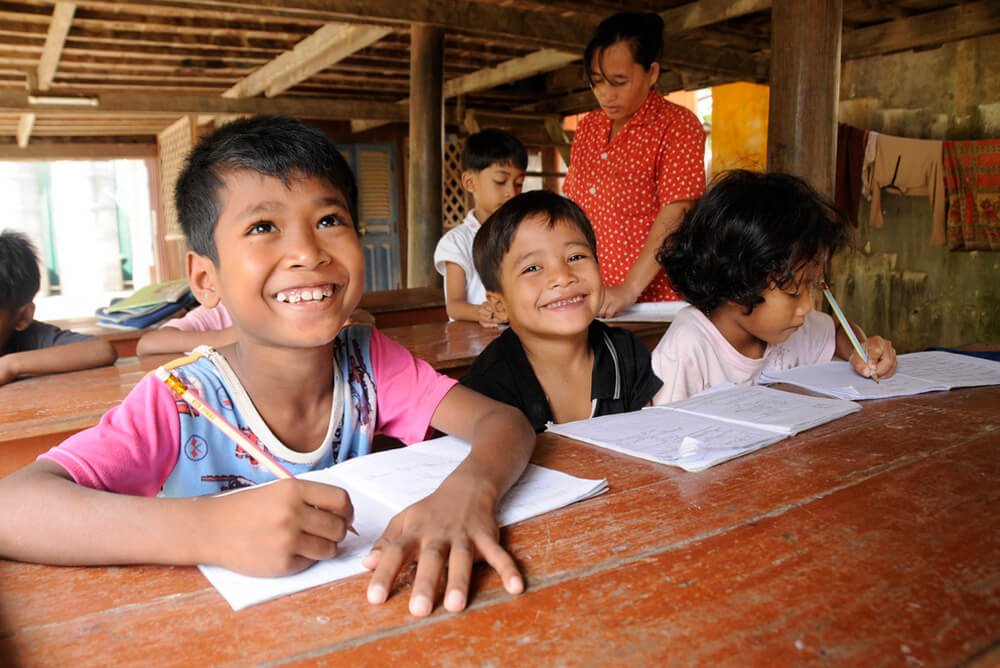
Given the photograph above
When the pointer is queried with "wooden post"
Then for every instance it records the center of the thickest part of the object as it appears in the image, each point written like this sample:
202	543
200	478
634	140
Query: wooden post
550	166
805	82
424	208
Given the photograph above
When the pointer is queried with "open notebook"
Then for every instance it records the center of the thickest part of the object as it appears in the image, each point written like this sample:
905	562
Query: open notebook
649	312
710	427
383	484
915	373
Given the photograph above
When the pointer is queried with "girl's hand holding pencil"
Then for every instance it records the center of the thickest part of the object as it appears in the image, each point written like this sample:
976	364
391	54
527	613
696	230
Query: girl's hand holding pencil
881	362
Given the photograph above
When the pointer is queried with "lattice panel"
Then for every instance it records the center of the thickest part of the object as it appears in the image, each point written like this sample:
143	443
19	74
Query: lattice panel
173	144
454	204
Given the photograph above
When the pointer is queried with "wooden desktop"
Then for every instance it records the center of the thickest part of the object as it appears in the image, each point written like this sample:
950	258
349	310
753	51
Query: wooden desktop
874	539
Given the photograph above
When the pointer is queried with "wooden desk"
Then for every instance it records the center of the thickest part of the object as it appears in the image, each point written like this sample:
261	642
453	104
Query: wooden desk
123	340
408	306
871	540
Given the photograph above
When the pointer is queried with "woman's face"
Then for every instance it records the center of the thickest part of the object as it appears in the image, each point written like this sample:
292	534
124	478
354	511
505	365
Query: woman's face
619	83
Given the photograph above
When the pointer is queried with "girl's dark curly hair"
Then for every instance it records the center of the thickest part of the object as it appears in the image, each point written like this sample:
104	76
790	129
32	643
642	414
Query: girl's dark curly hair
750	231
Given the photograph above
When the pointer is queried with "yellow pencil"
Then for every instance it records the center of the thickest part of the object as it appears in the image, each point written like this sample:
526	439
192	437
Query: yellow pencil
848	329
178	387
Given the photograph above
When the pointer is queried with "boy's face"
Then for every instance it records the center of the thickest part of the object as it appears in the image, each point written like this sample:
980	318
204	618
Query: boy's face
492	187
783	310
550	282
290	268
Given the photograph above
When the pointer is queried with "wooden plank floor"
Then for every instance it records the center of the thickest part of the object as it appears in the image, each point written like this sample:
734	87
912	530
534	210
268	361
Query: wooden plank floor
871	540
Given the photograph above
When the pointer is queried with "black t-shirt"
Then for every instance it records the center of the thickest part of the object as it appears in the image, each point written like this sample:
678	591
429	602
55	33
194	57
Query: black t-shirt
622	380
40	335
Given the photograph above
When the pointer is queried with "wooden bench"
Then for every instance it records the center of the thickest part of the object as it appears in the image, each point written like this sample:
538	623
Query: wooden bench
871	540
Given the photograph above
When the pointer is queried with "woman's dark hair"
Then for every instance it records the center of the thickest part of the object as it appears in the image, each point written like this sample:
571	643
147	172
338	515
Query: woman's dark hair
748	232
642	32
284	148
491	146
19	274
494	238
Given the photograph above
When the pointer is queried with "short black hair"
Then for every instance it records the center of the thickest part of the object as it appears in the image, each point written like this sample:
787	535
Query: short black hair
281	147
643	32
491	146
19	274
494	238
750	230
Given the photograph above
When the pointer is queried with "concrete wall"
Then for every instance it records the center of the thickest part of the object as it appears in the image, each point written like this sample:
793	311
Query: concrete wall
895	283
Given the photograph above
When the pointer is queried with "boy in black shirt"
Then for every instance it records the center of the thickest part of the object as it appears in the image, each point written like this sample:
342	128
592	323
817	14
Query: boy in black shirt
536	257
29	347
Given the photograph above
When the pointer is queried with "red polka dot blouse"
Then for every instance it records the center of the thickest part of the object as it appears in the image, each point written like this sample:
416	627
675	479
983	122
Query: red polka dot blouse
656	159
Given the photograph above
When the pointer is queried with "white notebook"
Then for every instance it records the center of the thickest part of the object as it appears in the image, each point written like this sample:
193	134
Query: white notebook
916	373
383	484
649	312
709	428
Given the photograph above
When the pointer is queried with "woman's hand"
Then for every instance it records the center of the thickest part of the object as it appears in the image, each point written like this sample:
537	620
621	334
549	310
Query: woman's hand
616	299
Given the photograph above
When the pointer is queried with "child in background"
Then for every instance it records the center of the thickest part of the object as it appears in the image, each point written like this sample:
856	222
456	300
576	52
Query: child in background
556	362
493	166
199	327
29	347
203	326
268	207
747	258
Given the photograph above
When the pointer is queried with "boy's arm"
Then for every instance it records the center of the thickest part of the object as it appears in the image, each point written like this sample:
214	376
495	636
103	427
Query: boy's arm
272	530
57	359
881	354
457	304
457	523
172	340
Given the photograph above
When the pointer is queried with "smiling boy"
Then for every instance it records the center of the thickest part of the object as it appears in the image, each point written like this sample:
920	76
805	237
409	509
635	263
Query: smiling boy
556	362
268	207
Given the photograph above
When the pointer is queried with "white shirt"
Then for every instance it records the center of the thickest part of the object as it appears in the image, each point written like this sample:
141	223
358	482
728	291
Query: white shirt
456	246
693	355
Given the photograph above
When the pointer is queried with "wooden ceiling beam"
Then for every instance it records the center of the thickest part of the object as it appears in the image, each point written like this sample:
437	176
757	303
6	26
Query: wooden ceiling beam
173	105
923	30
78	151
491	77
324	48
706	12
24	127
62	19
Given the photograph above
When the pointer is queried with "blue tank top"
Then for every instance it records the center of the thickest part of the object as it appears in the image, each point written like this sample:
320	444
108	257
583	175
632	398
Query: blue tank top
208	462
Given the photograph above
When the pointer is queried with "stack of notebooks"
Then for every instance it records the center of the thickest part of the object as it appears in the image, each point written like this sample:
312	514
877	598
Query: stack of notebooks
148	306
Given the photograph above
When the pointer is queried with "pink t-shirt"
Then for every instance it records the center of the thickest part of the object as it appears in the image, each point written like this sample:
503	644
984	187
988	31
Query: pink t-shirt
202	319
135	446
693	355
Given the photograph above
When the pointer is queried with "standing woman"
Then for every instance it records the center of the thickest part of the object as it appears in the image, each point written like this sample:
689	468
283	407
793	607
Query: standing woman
637	163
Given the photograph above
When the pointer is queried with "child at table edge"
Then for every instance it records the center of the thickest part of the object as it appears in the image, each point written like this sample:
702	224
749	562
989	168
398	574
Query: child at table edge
29	347
493	166
748	257
556	362
269	208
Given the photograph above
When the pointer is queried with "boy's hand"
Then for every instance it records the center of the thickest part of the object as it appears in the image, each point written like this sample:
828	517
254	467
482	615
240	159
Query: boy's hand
487	316
447	531
276	529
881	358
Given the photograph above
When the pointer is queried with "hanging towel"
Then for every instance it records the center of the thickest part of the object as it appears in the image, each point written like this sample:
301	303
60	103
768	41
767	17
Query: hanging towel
868	164
850	155
910	167
972	182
